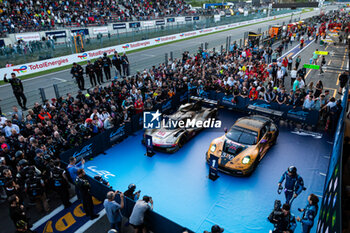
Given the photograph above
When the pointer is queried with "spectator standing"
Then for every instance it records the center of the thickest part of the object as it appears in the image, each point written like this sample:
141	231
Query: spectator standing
60	183
90	71
343	80
78	72
297	62
98	69
107	66
84	188
113	209
72	169
117	62
138	213
130	193
125	63
17	88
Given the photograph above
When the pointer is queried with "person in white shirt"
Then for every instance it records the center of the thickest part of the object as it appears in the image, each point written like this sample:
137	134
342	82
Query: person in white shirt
293	76
138	213
9	127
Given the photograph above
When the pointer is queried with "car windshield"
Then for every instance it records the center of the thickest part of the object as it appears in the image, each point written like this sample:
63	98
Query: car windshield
243	136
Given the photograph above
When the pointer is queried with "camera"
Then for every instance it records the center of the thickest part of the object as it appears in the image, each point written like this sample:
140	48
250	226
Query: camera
101	180
277	218
276	214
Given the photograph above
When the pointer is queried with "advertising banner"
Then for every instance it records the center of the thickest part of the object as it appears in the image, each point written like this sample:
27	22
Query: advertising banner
135	25
102	30
148	23
83	31
28	36
58	34
38	66
160	22
180	19
188	18
119	26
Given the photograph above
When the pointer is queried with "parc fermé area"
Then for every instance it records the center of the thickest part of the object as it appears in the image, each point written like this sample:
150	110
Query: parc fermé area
178	183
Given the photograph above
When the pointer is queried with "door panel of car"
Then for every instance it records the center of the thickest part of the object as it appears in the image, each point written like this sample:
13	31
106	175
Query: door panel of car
264	141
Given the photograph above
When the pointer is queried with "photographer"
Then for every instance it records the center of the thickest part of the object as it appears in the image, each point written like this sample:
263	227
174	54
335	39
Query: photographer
113	209
294	184
130	193
282	219
309	213
138	213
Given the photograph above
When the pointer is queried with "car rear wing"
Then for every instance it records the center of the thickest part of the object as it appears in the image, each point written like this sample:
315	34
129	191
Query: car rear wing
265	111
204	100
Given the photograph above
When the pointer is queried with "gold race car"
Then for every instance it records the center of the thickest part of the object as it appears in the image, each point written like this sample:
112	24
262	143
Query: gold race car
244	145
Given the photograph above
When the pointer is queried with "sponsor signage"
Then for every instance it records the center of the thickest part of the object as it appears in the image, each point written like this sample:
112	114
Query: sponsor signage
188	18
148	23
309	66
119	26
38	66
195	18
180	19
135	25
58	34
102	30
321	52
83	31
160	22
170	20
28	36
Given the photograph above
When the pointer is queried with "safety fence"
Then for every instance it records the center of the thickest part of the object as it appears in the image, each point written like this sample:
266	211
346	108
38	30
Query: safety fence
330	219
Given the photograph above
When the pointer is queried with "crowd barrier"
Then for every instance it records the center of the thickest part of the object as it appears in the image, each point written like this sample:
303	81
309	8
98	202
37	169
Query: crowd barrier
102	142
330	218
297	114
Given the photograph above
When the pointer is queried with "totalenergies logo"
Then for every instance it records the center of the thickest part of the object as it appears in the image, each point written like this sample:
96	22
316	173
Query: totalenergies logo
126	46
157	40
21	69
182	34
83	56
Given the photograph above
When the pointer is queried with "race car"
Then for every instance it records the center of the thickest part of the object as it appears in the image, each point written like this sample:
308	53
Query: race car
241	148
178	128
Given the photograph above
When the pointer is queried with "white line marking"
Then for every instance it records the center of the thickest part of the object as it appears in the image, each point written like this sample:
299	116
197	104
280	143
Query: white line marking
323	174
88	224
53	213
303	48
60	79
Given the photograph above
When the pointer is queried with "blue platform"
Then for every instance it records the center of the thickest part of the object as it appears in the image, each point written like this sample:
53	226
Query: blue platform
182	192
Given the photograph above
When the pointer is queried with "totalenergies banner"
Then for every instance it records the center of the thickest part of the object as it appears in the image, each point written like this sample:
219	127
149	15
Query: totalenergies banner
39	66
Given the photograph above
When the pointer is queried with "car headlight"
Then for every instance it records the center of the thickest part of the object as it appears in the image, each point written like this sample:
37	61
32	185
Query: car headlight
246	159
213	148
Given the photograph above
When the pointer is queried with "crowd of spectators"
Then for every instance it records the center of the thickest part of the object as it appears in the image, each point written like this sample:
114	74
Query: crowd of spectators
37	15
32	142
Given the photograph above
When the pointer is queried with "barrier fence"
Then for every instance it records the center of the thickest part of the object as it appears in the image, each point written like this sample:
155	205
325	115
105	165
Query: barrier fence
330	218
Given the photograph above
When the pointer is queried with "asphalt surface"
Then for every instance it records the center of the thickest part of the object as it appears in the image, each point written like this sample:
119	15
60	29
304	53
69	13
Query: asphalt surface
138	62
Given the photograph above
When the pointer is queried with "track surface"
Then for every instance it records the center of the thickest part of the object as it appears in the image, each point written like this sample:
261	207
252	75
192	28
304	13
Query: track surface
182	192
138	60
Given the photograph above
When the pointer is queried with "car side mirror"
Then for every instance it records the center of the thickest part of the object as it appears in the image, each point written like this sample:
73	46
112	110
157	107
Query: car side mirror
225	129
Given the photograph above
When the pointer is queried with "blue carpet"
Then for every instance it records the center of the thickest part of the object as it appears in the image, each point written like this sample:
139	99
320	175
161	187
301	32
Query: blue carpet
182	192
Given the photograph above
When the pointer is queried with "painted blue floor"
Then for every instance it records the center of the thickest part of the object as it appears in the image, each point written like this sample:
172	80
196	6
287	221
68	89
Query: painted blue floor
182	192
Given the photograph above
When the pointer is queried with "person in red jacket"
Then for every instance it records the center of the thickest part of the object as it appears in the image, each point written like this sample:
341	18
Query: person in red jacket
44	114
253	94
138	106
285	62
